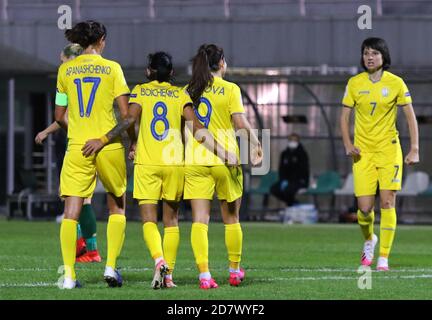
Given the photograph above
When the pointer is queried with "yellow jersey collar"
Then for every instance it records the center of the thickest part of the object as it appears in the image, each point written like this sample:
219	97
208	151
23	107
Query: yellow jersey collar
160	84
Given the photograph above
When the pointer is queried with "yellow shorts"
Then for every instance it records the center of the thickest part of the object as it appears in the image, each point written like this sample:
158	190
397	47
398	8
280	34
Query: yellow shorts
158	182
383	167
78	175
201	182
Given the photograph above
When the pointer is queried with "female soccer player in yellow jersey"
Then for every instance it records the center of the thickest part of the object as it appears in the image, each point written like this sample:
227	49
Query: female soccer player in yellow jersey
86	248
218	105
376	95
91	84
159	158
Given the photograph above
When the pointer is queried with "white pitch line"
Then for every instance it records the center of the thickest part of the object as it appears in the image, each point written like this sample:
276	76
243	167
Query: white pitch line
27	285
422	276
352	270
318	270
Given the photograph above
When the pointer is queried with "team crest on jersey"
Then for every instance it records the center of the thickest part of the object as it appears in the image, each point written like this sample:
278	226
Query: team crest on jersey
385	92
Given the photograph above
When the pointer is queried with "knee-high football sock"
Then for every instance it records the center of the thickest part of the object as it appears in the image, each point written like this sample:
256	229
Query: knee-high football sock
234	242
171	242
366	223
115	231
68	237
153	240
199	241
387	231
87	222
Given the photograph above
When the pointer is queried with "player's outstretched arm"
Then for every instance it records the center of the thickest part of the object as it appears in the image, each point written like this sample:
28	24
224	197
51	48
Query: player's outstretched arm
413	155
241	123
202	135
128	118
53	127
41	136
350	149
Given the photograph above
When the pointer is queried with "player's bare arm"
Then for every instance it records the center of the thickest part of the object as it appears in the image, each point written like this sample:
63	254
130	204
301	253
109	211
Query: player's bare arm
240	122
350	149
202	135
413	156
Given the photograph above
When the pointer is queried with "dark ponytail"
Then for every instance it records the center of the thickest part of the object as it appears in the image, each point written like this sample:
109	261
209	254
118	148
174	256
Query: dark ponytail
204	63
160	66
86	33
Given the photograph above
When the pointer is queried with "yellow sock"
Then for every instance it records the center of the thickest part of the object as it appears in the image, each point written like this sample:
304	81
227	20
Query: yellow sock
121	244
387	230
199	241
366	223
171	242
115	232
234	242
153	239
68	238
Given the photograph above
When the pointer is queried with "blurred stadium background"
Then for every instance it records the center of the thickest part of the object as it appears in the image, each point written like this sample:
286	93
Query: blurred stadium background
290	57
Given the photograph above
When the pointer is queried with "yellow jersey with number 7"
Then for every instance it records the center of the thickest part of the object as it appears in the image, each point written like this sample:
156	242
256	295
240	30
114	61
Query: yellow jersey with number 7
91	84
375	107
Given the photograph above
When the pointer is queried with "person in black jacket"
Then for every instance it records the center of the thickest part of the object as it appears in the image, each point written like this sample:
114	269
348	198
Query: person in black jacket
293	171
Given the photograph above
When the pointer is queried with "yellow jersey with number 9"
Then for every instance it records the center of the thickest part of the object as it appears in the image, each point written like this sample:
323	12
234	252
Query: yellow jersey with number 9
375	107
218	103
91	84
160	140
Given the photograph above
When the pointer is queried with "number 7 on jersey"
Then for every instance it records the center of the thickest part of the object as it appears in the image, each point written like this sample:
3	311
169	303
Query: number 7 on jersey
96	81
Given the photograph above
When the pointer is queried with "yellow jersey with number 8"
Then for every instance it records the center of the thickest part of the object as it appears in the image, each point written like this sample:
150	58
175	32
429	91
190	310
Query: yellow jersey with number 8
160	139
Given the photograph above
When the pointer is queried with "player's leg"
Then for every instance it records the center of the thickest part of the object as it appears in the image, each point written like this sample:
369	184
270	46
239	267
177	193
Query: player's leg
115	237
229	188
199	240
233	239
387	227
153	240
390	180
199	189
68	238
365	185
172	191
111	169
80	245
77	181
147	190
87	222
171	239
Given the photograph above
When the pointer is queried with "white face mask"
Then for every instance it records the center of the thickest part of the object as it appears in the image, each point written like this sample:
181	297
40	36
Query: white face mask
293	144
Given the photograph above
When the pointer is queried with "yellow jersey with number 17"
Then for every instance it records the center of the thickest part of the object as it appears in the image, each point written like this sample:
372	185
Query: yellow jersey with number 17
91	84
375	107
160	139
218	103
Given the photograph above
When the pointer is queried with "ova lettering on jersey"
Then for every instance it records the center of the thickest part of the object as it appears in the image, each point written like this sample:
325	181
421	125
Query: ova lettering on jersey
88	68
159	93
215	90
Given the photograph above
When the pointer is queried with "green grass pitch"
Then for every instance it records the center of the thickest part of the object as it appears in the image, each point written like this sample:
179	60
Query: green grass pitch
282	262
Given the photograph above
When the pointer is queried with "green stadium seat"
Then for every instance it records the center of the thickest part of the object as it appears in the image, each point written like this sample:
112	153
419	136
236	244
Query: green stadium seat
327	183
427	192
265	183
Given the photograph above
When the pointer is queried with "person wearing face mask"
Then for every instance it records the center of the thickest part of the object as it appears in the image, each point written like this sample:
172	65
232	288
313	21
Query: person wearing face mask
293	171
